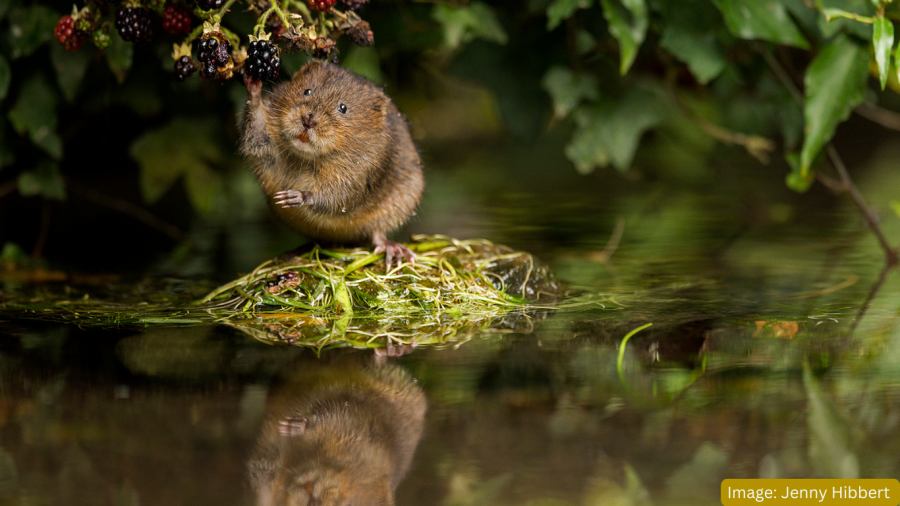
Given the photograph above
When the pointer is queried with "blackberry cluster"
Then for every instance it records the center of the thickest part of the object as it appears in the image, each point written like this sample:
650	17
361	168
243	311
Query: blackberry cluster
213	55
321	5
133	24
209	5
262	63
184	67
352	5
67	35
176	19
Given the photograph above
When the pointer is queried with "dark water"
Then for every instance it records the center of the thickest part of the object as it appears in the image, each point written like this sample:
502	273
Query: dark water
764	359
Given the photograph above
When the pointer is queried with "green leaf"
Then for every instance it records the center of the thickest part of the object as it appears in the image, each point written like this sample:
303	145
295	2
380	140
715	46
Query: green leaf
609	131
882	40
70	68
563	9
5	77
835	84
34	113
30	28
4	7
796	180
183	148
466	23
628	26
45	180
119	56
690	35
761	19
568	89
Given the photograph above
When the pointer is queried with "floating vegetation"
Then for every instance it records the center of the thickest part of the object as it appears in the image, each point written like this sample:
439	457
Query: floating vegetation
347	297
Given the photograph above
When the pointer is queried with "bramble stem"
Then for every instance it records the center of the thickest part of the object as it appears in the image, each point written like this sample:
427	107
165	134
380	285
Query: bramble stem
217	17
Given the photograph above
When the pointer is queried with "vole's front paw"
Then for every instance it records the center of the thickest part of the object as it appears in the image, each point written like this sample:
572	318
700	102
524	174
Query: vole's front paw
254	88
291	198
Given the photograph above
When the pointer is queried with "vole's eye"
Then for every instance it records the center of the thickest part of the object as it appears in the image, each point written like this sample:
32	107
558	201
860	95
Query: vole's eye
307	92
342	109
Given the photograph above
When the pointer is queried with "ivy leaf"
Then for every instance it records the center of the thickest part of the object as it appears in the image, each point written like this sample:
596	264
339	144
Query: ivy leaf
5	77
183	148
835	84
882	40
119	56
30	28
70	69
761	19
466	23
34	113
568	88
629	28
689	34
45	180
609	131
563	9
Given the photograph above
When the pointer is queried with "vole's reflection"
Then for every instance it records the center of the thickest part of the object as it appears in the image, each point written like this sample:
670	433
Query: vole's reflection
338	432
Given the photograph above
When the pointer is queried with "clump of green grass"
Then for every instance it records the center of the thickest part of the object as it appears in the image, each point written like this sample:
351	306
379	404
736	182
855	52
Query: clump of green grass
449	275
347	297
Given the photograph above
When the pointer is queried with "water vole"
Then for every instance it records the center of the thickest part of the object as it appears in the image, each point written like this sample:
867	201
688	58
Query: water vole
334	156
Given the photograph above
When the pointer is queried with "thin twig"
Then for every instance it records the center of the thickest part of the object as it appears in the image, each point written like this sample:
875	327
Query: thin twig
870	217
126	207
869	298
846	182
758	147
880	115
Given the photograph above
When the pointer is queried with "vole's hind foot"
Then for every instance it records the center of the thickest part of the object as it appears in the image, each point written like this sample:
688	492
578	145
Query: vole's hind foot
290	198
395	351
392	250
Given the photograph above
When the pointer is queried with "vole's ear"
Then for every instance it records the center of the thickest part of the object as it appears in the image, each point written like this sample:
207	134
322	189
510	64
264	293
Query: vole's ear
310	65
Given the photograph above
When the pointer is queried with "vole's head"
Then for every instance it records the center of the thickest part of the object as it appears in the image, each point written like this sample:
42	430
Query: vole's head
326	110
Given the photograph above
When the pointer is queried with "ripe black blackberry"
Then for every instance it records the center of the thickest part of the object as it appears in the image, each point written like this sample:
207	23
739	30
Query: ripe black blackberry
209	5
262	63
352	5
321	5
133	24
176	19
184	67
213	56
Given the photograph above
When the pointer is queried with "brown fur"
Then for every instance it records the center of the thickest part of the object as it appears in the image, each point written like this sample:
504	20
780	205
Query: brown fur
356	430
360	172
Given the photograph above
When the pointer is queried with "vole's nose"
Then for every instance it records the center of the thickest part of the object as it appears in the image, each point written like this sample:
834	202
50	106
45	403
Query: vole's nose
308	121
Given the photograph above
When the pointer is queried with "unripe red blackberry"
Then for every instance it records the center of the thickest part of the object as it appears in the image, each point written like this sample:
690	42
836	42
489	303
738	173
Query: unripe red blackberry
209	5
133	24
262	63
184	67
176	18
321	5
352	5
70	38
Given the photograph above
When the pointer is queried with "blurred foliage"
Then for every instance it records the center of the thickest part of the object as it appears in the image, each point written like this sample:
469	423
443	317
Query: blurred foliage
611	75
